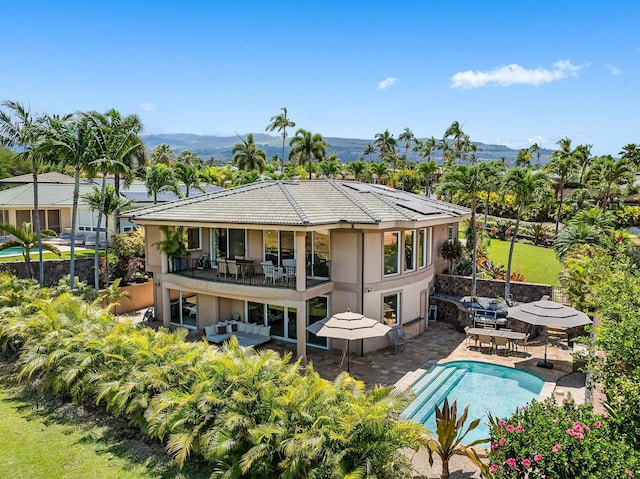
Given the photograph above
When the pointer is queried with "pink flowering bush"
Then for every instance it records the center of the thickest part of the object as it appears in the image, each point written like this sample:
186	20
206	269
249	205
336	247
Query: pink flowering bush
550	440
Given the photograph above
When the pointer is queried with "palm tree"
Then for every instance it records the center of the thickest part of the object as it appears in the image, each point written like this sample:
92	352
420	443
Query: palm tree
427	169
190	158
72	141
162	154
562	163
606	175
425	149
470	180
492	172
26	239
447	151
112	202
379	169
118	141
535	148
408	137
583	157
281	123
458	139
330	167
358	168
307	146
187	173
247	156
369	150
19	128
385	143
160	179
523	158
526	187
631	153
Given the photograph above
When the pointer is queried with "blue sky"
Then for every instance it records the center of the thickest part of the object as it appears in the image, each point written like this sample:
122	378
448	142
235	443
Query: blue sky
511	72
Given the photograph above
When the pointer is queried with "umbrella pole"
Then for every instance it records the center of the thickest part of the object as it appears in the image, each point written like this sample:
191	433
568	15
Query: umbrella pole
545	364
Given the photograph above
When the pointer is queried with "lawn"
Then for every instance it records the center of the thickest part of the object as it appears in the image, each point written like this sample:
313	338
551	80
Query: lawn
537	264
84	253
38	442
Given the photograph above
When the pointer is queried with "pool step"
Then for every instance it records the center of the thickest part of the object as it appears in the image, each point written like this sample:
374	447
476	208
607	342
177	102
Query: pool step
428	406
425	387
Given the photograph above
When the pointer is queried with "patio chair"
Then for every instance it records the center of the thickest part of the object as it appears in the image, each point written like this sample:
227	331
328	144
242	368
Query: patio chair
469	337
222	266
232	268
274	273
500	341
289	269
395	339
485	339
404	337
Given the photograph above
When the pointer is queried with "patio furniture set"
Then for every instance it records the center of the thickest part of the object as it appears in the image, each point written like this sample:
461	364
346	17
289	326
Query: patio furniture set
504	339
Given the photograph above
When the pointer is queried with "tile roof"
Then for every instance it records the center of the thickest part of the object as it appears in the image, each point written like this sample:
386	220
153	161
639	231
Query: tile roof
51	177
301	203
49	194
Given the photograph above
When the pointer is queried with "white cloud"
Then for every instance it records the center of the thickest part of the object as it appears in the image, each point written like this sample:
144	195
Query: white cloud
387	82
515	74
147	107
614	69
538	140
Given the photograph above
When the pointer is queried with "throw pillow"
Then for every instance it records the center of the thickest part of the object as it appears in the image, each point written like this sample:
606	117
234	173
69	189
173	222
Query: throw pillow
222	329
234	327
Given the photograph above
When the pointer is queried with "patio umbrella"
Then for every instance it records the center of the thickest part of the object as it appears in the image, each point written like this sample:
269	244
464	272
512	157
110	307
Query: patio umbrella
548	313
349	326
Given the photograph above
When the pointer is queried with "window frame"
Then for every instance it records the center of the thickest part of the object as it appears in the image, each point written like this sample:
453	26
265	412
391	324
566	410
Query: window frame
422	248
199	246
398	255
413	250
398	311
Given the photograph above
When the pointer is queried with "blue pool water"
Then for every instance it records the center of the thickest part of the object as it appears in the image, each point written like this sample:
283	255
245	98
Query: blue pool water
11	251
483	387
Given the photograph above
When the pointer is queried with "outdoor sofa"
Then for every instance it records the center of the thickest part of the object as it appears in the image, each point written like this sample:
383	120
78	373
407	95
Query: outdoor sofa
248	334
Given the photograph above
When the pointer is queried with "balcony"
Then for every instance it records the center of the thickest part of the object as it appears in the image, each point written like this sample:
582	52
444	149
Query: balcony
251	273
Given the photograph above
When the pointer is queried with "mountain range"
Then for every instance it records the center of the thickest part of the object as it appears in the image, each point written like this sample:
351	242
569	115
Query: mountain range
347	149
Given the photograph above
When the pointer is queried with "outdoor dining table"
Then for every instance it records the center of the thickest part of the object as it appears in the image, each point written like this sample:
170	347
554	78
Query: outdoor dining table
512	336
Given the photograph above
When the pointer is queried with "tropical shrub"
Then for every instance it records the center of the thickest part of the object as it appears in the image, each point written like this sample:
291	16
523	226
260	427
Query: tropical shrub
250	414
551	440
126	256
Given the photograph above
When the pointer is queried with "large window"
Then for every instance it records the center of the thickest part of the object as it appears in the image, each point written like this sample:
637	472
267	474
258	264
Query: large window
281	319
430	247
409	250
229	242
317	247
422	242
391	253
278	245
391	309
317	310
193	238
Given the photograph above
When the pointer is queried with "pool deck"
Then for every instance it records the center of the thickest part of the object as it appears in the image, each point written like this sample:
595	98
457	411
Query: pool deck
441	343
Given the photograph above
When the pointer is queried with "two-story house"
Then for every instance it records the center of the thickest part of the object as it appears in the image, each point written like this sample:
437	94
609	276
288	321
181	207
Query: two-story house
286	254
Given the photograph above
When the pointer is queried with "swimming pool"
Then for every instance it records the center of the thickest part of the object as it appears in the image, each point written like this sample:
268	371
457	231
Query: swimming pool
482	386
11	251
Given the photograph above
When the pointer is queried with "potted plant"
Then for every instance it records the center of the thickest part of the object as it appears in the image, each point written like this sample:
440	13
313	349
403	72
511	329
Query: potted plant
174	246
141	277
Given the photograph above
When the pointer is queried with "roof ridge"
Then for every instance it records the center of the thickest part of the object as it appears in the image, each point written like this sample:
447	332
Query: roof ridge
297	208
353	200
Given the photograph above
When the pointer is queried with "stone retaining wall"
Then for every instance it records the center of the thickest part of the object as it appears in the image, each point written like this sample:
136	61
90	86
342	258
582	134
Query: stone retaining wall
491	288
54	269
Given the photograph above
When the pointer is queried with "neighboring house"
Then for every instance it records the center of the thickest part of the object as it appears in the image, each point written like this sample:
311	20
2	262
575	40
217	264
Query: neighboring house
55	202
333	246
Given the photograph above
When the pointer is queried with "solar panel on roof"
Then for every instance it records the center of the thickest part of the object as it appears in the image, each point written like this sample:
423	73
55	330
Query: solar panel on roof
418	207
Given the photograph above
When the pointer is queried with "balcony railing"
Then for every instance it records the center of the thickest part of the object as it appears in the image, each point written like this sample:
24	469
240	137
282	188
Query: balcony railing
250	273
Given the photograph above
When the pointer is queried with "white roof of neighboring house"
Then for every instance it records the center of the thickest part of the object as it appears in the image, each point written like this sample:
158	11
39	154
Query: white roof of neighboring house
49	194
51	177
301	203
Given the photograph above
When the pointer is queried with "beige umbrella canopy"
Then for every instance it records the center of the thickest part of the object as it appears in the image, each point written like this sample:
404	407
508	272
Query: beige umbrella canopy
548	313
349	326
